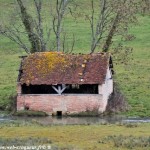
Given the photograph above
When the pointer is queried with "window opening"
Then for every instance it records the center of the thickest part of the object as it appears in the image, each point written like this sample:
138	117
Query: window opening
60	89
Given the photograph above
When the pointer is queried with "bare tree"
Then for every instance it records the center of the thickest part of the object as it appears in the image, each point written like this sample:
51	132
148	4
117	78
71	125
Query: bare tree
113	19
33	29
58	16
32	26
29	25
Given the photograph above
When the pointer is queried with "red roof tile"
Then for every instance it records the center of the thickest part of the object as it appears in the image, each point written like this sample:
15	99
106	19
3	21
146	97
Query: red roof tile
59	68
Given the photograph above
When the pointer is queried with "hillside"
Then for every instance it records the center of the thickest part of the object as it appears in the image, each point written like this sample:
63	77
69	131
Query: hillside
133	79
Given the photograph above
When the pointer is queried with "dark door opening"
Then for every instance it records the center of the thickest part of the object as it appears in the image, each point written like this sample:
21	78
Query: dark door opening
59	113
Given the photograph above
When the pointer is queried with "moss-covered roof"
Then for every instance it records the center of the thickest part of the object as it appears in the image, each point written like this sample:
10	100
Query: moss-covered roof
59	68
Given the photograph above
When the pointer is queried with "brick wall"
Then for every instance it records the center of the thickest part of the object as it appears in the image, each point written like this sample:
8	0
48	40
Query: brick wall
65	103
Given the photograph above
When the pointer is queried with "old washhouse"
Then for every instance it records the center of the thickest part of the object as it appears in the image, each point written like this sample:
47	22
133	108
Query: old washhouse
58	83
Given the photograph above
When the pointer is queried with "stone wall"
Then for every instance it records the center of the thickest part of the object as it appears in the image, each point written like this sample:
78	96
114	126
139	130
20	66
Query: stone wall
67	104
106	89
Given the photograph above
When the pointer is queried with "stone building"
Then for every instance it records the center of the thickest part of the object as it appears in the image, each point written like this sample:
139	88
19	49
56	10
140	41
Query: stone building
58	83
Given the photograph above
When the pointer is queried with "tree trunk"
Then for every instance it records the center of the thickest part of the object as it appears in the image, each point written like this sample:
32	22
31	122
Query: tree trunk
111	34
29	27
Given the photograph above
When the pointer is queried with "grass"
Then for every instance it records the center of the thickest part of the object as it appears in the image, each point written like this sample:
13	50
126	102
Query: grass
8	76
133	79
79	137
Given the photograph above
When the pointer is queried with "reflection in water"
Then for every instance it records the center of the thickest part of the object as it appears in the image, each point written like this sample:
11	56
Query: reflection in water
70	120
82	120
77	120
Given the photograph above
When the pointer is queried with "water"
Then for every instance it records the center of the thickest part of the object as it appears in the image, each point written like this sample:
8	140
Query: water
5	120
135	120
76	120
72	120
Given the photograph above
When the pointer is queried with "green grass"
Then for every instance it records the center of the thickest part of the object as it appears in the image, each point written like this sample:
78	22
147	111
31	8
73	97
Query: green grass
134	79
78	137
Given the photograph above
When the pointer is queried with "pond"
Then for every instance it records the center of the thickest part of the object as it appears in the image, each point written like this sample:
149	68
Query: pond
77	120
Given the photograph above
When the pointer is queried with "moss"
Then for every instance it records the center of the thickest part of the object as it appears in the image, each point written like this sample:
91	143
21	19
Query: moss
88	113
30	113
42	63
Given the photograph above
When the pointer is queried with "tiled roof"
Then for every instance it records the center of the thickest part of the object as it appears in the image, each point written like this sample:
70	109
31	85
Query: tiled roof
59	68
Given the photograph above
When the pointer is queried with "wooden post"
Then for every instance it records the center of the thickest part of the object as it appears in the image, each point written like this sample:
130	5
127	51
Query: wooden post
60	89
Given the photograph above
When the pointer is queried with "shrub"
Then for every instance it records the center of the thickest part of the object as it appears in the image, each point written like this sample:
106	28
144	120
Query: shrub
25	142
117	102
129	142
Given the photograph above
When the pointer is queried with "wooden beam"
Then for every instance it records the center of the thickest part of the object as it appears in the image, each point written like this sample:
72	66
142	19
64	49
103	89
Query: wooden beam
60	89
